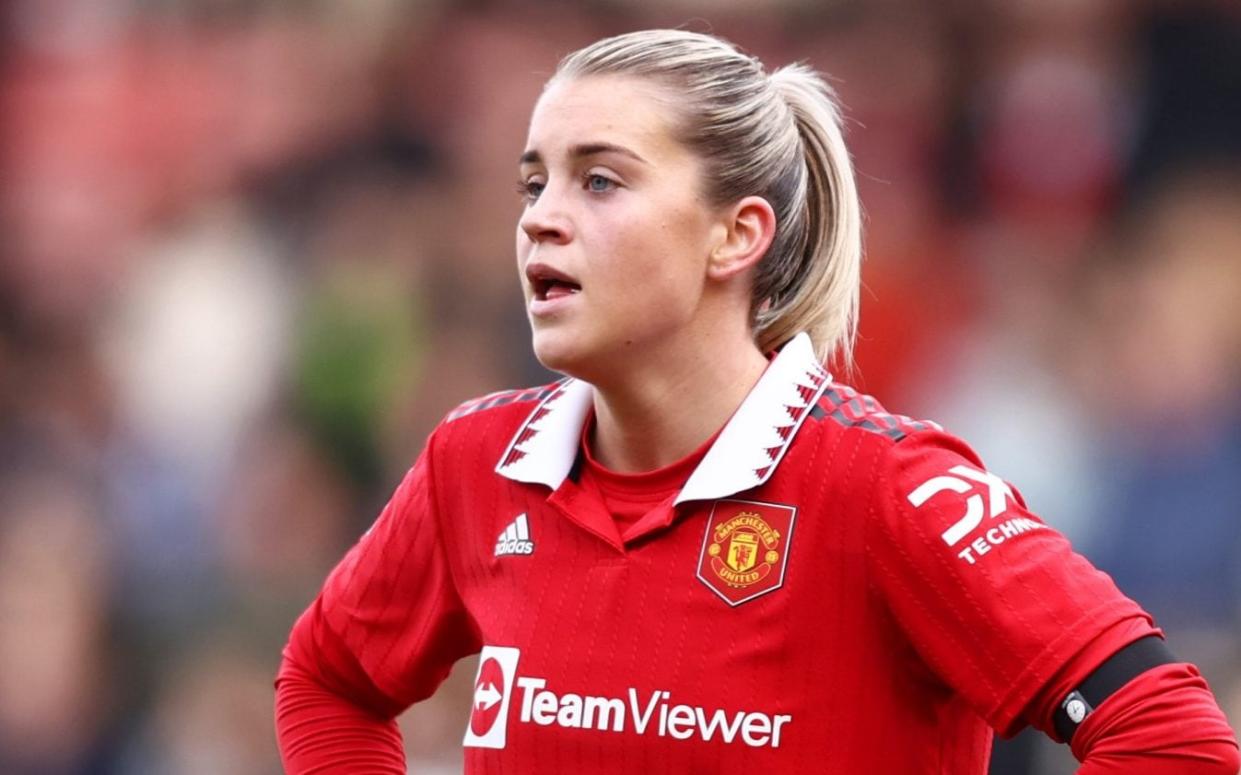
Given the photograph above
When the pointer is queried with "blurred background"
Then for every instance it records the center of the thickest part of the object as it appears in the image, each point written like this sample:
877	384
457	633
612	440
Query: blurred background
250	252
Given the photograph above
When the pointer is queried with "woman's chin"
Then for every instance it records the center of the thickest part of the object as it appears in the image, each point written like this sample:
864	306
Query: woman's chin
561	353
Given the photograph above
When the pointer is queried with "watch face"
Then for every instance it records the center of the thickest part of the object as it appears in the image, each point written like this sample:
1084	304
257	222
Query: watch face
1076	710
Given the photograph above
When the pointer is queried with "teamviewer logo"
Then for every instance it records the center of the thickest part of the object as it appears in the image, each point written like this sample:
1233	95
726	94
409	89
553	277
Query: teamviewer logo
493	687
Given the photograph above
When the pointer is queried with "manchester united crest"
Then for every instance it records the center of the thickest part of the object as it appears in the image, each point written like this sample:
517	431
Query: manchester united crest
745	550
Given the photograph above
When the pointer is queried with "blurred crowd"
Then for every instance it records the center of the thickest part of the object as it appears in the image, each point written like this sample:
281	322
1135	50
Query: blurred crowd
253	250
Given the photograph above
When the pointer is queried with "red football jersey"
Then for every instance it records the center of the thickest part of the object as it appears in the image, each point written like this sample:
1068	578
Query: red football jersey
834	589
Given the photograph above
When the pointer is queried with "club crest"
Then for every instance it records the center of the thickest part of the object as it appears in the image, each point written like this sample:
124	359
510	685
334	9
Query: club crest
745	550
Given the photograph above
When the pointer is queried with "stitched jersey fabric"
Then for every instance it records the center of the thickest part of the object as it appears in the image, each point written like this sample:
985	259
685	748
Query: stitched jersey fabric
834	589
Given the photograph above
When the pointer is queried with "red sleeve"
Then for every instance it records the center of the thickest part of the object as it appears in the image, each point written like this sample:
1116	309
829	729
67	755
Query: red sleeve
1164	722
320	731
994	600
383	633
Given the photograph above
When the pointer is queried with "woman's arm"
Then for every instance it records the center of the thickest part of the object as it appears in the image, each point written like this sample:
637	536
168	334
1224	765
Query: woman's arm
1163	722
383	633
1003	610
331	721
1154	714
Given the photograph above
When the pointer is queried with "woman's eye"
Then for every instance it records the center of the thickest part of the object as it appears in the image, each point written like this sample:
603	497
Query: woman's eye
598	183
530	189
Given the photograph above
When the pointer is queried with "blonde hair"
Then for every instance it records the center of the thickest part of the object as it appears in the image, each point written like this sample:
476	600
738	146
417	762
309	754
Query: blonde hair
777	136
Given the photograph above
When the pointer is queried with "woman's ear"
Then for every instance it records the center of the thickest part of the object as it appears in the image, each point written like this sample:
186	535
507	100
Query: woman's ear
749	226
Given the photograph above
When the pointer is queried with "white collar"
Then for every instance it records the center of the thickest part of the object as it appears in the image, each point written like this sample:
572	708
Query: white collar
744	455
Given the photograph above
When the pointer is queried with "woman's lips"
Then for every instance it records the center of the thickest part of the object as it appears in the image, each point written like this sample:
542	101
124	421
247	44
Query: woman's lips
552	300
550	288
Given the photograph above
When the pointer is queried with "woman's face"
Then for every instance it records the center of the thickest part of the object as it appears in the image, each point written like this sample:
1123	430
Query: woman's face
613	243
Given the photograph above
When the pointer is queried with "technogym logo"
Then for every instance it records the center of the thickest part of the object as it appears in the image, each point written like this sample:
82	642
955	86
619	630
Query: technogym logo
638	712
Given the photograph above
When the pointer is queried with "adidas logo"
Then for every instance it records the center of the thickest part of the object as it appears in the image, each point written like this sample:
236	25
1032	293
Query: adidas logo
515	539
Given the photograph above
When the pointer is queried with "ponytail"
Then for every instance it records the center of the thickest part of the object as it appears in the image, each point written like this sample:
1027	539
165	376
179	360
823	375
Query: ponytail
815	286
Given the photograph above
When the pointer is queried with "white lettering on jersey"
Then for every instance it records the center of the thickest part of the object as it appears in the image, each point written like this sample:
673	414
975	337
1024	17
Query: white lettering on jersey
976	509
996	536
641	713
515	538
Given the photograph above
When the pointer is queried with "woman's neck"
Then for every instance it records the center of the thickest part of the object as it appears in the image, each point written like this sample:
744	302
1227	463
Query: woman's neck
665	409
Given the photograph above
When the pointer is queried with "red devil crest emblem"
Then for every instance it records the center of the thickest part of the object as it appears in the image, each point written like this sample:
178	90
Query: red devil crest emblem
745	550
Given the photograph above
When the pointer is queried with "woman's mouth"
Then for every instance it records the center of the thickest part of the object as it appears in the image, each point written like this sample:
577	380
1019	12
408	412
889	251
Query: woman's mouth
545	290
550	284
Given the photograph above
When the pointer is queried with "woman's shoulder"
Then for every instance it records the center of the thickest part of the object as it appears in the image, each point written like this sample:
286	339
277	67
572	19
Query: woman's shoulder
513	401
898	441
845	408
491	422
913	458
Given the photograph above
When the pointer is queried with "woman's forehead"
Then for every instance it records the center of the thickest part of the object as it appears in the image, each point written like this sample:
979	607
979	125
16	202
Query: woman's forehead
631	112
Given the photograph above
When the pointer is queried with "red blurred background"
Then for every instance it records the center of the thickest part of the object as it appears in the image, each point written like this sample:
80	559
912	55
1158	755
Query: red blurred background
252	251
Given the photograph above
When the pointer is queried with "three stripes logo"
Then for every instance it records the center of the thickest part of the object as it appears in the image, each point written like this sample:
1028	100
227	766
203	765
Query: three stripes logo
516	538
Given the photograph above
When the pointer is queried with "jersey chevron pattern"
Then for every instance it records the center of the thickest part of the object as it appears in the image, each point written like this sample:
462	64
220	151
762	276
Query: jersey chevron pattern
834	589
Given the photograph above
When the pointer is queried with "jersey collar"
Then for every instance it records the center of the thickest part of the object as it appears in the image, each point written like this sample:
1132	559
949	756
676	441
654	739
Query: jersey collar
745	455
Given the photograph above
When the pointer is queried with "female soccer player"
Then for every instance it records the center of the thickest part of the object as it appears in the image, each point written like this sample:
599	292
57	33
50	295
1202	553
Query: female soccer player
698	552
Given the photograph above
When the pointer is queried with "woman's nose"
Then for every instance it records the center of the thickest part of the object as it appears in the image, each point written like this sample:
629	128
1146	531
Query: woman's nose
545	220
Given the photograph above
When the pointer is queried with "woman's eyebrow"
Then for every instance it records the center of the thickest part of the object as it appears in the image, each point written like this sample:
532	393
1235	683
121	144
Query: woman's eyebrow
583	150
